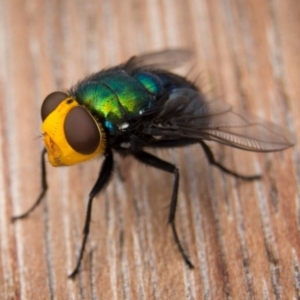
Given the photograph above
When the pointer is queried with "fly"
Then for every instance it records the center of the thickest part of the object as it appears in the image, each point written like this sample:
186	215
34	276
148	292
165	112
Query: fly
138	105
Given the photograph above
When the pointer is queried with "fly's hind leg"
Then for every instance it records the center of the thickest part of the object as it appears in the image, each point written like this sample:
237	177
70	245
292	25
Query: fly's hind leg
213	162
209	155
156	162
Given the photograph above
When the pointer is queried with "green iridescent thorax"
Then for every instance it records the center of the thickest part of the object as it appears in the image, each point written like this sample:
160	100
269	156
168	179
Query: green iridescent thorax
150	81
116	95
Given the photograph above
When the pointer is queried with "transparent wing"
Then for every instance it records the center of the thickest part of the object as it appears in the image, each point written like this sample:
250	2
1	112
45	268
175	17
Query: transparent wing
166	59
187	113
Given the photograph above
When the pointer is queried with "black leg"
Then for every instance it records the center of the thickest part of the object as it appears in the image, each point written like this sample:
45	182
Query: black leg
186	141
103	178
44	189
155	162
213	162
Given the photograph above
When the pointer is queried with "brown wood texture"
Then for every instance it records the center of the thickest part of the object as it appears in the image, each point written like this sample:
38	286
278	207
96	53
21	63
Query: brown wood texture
243	237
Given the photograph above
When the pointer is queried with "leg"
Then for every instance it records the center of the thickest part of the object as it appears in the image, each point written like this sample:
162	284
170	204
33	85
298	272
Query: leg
186	141
44	189
103	178
154	161
212	161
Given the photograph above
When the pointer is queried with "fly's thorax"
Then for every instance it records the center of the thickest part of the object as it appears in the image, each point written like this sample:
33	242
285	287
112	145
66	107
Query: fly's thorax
116	96
71	134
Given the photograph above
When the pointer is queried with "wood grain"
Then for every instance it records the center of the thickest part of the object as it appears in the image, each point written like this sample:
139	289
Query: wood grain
243	237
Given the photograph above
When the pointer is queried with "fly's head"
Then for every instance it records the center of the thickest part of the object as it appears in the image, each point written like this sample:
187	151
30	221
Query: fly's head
71	134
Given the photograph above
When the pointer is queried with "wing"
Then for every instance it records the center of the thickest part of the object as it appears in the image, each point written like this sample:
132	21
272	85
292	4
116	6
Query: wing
166	59
187	113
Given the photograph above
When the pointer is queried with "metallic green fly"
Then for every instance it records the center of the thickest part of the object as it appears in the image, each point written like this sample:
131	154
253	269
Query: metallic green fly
140	104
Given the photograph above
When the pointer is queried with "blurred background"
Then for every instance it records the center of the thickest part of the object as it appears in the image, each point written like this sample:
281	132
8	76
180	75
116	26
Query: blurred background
243	237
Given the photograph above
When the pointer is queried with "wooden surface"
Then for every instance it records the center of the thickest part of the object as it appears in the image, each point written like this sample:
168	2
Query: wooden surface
243	237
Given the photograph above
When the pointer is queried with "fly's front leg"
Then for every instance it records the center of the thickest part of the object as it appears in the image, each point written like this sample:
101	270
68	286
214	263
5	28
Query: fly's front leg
103	178
42	194
156	162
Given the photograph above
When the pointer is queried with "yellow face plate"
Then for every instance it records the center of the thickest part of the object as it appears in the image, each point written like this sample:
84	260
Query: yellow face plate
60	153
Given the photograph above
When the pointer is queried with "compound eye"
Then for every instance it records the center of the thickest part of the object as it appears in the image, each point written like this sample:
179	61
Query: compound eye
51	102
81	131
